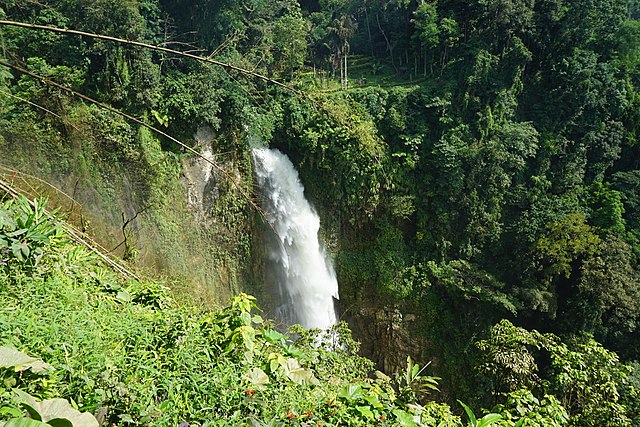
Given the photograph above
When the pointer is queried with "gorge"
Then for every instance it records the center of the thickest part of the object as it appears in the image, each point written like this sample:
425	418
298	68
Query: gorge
475	165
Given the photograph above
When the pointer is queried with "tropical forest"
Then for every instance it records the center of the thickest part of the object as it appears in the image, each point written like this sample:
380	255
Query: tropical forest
320	213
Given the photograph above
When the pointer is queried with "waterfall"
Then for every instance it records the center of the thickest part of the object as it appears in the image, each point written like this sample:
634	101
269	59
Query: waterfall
303	276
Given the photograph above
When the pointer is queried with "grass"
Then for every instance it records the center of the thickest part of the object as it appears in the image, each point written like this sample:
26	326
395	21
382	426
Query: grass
363	72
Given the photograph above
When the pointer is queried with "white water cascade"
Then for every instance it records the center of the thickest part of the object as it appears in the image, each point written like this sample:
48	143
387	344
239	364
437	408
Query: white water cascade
299	269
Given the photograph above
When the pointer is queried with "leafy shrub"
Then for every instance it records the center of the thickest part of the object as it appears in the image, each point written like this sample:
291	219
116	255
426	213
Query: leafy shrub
124	351
22	407
25	229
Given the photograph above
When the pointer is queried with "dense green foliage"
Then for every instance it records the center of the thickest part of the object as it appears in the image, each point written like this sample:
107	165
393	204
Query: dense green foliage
479	160
124	350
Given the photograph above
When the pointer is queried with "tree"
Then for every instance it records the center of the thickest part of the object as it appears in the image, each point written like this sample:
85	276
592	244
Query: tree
289	43
580	381
427	32
628	184
608	291
589	381
592	24
564	244
342	30
555	259
607	208
507	358
628	48
501	20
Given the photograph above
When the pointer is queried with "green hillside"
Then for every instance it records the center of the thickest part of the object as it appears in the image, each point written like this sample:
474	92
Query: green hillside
125	351
475	165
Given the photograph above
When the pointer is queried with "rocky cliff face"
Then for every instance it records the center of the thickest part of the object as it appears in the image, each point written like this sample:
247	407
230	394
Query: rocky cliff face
387	335
215	198
176	216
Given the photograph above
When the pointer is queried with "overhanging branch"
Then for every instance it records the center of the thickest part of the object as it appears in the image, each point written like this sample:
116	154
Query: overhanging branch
135	120
153	47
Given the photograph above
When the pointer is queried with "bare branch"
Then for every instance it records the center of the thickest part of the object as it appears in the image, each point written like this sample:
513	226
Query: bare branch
141	123
33	104
76	236
150	46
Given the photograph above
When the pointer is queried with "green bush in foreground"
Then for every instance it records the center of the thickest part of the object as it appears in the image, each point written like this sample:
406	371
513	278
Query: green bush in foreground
127	353
78	342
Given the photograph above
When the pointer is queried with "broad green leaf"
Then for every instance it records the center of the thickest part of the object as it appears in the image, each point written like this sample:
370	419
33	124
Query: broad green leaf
404	418
24	422
25	250
85	419
17	251
291	364
11	358
248	336
60	422
256	377
365	411
276	361
60	408
30	407
302	376
39	237
470	414
294	351
373	400
273	336
123	296
298	374
7	412
488	420
57	410
163	119
351	392
245	318
17	232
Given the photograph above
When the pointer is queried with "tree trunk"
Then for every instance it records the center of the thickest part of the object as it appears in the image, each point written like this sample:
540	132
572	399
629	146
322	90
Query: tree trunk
424	71
389	46
341	70
444	60
346	77
366	18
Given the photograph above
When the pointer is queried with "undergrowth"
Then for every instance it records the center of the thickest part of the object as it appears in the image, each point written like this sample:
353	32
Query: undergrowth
126	352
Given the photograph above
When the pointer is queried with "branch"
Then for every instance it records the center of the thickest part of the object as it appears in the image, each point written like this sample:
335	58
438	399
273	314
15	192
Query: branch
125	223
33	104
153	47
328	110
138	121
92	246
324	108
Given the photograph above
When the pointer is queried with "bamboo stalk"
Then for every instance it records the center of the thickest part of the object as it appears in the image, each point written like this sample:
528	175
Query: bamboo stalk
138	121
153	47
75	236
